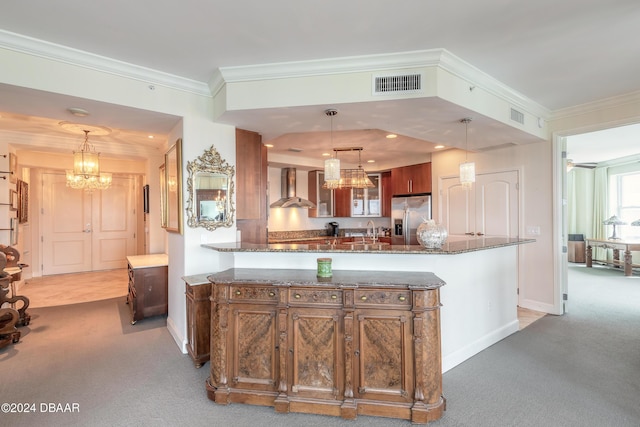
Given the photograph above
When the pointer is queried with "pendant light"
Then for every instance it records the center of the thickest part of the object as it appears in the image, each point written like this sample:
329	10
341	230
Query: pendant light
332	165
86	169
467	169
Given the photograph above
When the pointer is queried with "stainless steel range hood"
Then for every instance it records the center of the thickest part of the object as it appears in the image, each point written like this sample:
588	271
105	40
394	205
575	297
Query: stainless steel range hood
288	192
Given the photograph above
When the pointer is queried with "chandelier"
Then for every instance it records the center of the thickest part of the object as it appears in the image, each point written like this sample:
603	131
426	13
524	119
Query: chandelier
86	169
467	169
350	178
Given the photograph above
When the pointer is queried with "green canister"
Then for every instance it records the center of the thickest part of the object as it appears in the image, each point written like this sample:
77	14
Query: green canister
324	267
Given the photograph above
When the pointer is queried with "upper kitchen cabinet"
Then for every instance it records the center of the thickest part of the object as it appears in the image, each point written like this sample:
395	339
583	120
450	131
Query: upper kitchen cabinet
251	186
367	201
322	197
411	179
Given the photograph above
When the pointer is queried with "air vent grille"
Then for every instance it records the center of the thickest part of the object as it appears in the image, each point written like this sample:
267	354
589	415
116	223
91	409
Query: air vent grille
517	116
397	84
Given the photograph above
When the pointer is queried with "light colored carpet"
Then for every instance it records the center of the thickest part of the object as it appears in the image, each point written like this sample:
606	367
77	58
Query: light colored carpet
581	369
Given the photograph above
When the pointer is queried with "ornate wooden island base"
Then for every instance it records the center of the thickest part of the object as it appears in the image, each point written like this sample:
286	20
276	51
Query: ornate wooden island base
360	342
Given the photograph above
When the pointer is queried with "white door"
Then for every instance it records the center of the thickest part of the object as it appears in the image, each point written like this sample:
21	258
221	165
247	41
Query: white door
87	231
489	207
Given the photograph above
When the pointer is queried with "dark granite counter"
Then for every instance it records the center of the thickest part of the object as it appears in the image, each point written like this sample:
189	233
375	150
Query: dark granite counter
339	279
454	245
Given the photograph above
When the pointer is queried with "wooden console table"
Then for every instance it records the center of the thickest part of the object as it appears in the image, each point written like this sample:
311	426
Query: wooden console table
616	245
360	342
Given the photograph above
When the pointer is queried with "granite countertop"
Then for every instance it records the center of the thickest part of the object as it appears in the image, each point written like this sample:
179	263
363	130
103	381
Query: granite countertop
339	279
454	245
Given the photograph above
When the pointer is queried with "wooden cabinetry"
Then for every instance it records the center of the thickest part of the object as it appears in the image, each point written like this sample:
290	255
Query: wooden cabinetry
198	291
413	179
367	202
358	343
322	197
148	287
251	186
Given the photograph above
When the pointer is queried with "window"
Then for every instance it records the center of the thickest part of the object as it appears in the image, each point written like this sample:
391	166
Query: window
627	200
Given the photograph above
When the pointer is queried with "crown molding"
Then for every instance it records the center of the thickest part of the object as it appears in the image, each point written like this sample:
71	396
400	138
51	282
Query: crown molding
631	98
63	54
382	62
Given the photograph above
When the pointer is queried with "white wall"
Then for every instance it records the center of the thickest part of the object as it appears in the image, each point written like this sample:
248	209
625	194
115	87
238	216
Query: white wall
535	274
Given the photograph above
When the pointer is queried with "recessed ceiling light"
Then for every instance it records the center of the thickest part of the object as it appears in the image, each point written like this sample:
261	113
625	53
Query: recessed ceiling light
150	136
268	145
371	161
326	154
391	136
78	112
437	147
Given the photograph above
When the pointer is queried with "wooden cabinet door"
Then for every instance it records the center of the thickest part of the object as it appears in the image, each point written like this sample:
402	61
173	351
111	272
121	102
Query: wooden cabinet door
413	179
420	178
316	368
384	364
254	364
342	200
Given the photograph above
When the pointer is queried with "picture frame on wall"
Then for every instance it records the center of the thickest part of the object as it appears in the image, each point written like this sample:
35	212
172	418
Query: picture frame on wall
14	231
13	200
173	183
163	197
145	198
23	201
13	168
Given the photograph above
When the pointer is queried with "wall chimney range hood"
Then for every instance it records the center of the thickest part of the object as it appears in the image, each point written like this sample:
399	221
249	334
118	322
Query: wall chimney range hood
288	192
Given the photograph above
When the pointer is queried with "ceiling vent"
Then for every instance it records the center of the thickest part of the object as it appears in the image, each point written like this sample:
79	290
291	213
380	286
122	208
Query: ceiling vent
395	84
517	116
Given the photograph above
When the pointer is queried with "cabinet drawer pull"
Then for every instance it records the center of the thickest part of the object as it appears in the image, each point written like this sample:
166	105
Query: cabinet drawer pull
238	293
363	297
334	297
271	294
402	298
297	296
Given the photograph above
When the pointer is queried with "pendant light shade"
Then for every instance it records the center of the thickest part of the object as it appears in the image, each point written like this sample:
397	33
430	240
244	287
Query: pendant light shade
86	162
86	169
332	165
467	169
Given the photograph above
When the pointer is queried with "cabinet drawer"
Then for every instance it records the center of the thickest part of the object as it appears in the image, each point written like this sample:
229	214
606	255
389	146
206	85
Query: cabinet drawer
254	293
402	298
315	296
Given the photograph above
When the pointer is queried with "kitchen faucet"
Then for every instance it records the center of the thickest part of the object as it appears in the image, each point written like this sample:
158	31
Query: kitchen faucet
373	230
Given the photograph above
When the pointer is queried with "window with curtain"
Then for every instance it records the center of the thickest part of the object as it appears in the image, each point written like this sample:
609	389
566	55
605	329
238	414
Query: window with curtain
627	200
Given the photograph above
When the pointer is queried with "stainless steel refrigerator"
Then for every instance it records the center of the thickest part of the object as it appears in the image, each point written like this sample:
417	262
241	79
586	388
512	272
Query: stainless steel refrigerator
407	212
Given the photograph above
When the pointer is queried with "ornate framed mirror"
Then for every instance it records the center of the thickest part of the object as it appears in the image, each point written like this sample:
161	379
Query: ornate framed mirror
210	187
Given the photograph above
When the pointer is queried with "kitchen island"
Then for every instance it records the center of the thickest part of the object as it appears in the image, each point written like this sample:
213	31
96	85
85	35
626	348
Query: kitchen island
354	343
479	303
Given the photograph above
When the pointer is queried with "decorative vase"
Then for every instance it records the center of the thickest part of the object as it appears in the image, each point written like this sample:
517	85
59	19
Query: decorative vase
431	235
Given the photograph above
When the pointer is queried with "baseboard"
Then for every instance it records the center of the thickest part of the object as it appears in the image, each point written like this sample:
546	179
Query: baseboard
177	336
454	359
537	306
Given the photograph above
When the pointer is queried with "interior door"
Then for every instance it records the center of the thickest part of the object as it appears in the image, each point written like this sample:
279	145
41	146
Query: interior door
66	214
490	207
85	231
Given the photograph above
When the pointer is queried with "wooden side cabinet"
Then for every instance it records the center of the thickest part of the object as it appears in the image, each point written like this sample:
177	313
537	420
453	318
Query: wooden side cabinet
360	343
198	291
148	286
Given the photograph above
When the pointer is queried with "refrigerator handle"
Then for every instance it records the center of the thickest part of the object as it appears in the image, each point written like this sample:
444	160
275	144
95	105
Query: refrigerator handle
405	227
